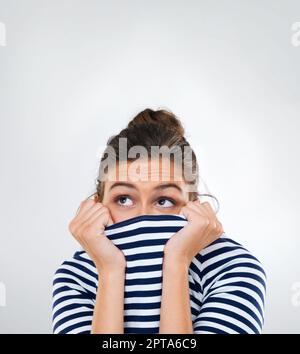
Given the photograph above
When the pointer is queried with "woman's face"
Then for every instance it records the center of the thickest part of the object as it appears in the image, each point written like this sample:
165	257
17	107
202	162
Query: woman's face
153	189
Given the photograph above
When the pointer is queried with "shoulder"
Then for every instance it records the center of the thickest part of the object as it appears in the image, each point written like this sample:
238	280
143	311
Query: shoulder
226	265
78	269
226	252
73	294
233	283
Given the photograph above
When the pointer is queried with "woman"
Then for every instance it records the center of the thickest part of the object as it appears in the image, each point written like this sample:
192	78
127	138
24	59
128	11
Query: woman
229	282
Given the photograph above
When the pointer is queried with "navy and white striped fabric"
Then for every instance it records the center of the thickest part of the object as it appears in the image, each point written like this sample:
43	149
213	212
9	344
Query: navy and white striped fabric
227	284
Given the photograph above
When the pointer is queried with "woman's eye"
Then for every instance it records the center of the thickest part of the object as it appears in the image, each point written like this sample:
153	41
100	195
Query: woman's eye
165	203
124	200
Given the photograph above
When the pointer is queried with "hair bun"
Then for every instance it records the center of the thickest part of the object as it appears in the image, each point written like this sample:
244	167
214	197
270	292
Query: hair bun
161	116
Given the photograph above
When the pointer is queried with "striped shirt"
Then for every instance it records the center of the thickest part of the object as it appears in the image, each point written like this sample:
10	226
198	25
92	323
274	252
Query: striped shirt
227	284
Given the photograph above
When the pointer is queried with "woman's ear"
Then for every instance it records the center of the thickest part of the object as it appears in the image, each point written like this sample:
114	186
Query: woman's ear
96	198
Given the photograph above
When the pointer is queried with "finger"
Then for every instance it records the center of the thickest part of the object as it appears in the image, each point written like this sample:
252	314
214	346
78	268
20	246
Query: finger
207	210
109	220
190	213
86	214
84	206
186	212
199	203
196	205
99	219
219	226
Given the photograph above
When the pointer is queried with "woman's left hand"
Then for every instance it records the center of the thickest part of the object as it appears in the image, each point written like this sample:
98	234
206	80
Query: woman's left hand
202	229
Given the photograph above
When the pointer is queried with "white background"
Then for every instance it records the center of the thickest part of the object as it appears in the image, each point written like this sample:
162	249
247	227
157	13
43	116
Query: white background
73	73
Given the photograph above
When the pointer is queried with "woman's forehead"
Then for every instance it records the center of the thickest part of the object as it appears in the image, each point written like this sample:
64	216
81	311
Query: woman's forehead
154	170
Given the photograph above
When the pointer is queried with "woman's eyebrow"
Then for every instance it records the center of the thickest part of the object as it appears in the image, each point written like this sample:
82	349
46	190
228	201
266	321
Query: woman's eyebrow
159	187
168	185
122	184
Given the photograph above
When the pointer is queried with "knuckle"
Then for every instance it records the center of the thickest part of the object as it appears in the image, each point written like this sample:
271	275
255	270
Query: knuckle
87	231
87	226
71	226
88	202
205	221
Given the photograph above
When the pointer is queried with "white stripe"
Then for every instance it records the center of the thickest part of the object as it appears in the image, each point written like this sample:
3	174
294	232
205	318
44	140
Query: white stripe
143	287
242	301
234	309
58	286
146	223
221	292
144	249
145	275
143	312
85	264
212	273
146	324
64	293
72	322
67	313
223	256
73	277
144	262
81	329
143	237
78	271
144	299
231	320
233	280
217	246
65	303
212	325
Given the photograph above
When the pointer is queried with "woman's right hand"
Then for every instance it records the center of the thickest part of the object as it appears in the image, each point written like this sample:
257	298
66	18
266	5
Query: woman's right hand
87	227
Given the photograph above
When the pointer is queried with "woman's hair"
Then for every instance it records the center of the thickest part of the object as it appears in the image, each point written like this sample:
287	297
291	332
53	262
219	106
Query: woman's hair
152	128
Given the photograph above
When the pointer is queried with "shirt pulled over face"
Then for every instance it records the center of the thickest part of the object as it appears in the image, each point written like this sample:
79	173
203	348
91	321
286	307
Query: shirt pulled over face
142	240
227	283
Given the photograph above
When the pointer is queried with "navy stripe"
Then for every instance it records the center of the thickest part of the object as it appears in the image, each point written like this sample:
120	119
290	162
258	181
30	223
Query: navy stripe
138	218
141	318
81	278
224	323
71	307
142	305
140	281
230	314
141	330
228	268
143	243
224	261
75	326
235	304
72	317
148	255
144	293
142	269
209	329
143	230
